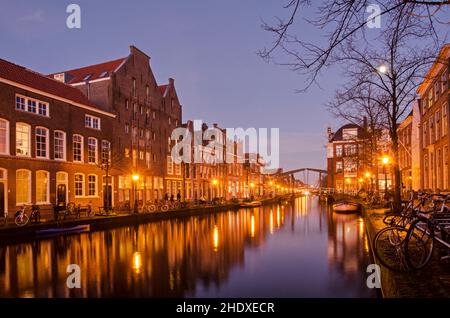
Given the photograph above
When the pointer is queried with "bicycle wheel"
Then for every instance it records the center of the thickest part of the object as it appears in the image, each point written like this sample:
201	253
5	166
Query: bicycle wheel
419	243
164	208
21	220
389	249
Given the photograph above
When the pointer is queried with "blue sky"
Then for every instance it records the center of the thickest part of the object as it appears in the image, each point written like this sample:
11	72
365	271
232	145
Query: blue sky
209	47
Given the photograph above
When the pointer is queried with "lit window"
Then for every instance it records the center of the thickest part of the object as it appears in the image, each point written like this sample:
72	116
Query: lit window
79	185
77	148
92	185
169	165
41	142
92	150
42	187
32	105
23	136
4	137
141	155
127	153
23	187
60	145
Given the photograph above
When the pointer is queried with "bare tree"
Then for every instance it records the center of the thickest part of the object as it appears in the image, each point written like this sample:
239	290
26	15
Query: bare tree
339	21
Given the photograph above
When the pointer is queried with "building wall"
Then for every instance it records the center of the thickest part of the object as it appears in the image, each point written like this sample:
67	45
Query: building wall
63	117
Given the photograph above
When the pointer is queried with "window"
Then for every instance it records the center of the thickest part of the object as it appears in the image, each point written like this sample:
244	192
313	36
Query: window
92	150
79	185
4	137
437	88
154	136
438	125
127	104
444	81
23	187
20	102
127	128
103	74
23	140
141	155
60	145
92	185
349	134
77	148
430	98
92	122
147	94
141	110
154	115
106	152
339	151
338	166
147	159
134	87
141	133
444	120
169	165
31	106
127	153
42	187
42	108
41	142
170	121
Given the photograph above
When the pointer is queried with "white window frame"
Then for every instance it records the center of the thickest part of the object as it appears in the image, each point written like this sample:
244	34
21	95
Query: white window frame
47	143
65	182
29	140
104	141
89	122
7	133
83	185
34	111
29	187
95	185
169	165
64	140
47	190
96	150
82	148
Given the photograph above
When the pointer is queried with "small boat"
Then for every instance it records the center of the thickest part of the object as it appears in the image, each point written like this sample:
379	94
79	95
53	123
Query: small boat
251	204
346	207
64	230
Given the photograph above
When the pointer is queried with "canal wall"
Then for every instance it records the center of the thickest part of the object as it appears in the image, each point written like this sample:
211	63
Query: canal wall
431	282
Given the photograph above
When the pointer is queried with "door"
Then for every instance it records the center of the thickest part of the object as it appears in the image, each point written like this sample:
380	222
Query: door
61	194
2	199
107	196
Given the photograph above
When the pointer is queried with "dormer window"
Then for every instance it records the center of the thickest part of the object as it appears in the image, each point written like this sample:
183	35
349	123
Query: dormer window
87	77
103	74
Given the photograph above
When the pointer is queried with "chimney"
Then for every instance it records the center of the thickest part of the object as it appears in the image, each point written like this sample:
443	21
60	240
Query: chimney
171	81
330	134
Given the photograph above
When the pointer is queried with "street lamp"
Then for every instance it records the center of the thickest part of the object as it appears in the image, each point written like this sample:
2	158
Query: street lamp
215	183
135	178
382	69
385	161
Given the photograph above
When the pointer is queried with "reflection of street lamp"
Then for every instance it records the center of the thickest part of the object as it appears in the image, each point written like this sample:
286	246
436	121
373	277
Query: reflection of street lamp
135	178
385	161
252	185
369	178
215	183
347	181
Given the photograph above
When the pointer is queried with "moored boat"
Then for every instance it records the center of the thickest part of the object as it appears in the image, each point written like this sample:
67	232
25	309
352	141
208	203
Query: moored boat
346	207
251	204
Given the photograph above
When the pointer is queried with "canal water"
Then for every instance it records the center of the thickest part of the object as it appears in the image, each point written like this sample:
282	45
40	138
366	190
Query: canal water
296	249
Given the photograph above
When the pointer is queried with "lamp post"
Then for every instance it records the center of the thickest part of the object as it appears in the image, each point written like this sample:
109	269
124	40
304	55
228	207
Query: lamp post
135	180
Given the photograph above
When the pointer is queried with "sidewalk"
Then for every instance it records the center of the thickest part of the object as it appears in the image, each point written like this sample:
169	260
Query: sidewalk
431	282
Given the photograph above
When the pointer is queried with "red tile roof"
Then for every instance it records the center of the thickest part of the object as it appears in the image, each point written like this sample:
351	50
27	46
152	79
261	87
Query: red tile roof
21	75
79	75
163	88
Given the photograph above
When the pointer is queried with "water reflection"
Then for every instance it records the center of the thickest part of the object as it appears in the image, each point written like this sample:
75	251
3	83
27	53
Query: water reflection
299	249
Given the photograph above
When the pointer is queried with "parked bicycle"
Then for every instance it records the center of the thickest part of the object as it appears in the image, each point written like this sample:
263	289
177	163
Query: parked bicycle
156	206
21	218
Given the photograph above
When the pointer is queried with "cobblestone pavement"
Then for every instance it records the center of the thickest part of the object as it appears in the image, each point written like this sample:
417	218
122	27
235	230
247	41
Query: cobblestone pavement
431	282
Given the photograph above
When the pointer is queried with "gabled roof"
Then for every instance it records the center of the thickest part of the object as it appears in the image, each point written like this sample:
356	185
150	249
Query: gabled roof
338	135
16	74
94	72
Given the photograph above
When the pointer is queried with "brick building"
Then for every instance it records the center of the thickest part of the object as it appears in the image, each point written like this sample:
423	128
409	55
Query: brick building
405	152
146	115
434	122
53	140
345	159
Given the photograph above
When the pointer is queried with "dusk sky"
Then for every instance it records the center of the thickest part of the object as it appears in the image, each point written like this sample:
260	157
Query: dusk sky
209	47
